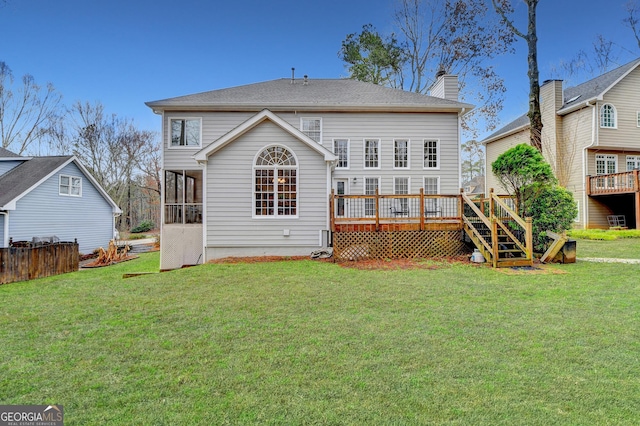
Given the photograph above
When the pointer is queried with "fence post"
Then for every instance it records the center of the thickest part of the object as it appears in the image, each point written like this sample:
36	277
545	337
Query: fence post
491	204
494	239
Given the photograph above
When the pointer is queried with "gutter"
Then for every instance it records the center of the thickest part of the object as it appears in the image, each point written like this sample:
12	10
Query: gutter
585	215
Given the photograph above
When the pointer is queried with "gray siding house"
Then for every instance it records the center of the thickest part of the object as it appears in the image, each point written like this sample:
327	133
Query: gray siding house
53	196
248	170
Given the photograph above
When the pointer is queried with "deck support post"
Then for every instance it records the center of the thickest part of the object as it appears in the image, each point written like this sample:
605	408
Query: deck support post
377	210
422	209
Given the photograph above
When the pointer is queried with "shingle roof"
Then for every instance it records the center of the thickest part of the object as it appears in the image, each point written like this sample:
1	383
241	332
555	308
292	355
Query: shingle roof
330	94
5	153
21	178
574	96
519	122
596	86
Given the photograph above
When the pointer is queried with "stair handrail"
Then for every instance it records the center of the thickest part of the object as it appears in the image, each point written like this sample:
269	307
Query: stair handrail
481	216
475	209
508	209
525	224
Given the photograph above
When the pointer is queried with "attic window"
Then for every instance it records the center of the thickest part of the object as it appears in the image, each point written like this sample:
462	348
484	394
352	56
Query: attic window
70	186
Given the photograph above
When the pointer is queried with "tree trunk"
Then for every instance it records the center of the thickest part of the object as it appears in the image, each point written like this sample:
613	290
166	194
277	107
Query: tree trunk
535	116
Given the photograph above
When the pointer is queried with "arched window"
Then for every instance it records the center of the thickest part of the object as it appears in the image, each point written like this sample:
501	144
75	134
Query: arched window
608	116
276	182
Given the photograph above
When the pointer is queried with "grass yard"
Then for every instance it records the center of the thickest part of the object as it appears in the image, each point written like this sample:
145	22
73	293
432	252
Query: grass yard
620	244
306	342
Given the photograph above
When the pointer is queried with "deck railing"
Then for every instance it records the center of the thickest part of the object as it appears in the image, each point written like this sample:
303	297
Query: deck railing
613	183
417	210
183	213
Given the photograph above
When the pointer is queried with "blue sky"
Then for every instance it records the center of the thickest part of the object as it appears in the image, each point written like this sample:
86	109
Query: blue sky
125	52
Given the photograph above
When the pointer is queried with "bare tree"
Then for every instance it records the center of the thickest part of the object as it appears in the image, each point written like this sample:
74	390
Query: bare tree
26	112
504	8
458	37
117	154
633	19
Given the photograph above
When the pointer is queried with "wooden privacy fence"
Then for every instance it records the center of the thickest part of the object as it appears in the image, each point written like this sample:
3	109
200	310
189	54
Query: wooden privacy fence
25	261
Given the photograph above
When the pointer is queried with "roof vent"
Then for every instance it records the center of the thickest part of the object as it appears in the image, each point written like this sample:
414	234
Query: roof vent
293	75
306	80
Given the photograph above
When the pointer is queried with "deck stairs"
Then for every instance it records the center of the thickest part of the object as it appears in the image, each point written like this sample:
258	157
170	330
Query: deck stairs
503	237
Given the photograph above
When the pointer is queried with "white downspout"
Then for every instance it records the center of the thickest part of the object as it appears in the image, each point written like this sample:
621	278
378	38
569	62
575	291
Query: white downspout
585	158
5	242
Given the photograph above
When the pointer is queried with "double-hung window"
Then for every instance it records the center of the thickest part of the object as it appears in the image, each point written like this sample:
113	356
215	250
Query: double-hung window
275	183
70	185
431	154
401	154
312	127
400	206
185	132
371	185
431	205
341	150
372	153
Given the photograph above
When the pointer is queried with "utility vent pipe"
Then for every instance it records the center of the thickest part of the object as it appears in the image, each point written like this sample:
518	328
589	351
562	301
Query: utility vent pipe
293	75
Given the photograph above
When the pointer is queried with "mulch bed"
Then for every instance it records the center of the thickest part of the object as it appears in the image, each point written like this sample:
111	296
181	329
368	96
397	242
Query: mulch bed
366	264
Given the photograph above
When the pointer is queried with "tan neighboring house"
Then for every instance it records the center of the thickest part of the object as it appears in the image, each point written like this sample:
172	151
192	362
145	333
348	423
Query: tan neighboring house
591	138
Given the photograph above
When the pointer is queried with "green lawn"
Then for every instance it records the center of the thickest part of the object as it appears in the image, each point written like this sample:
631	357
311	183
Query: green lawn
306	342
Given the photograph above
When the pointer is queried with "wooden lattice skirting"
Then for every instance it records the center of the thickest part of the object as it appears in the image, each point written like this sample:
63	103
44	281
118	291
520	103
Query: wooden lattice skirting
397	244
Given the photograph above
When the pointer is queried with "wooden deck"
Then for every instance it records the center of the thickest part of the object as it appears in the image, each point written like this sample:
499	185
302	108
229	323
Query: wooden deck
613	184
407	212
625	183
410	225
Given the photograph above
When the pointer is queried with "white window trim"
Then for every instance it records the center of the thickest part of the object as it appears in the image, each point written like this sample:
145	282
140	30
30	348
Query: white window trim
437	141
69	194
408	153
615	116
636	159
275	216
364	191
333	147
183	147
364	154
408	178
606	157
312	118
437	178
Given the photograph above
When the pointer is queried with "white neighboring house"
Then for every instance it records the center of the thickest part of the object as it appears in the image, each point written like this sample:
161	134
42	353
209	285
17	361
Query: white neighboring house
248	170
53	196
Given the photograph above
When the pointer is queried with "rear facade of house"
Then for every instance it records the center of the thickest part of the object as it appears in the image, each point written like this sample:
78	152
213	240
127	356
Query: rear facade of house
248	171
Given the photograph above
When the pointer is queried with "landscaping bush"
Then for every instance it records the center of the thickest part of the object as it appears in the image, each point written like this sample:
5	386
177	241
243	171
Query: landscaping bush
144	226
553	209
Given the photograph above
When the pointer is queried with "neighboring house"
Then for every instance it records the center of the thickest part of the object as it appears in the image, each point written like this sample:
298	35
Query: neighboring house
475	185
53	196
591	138
248	170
